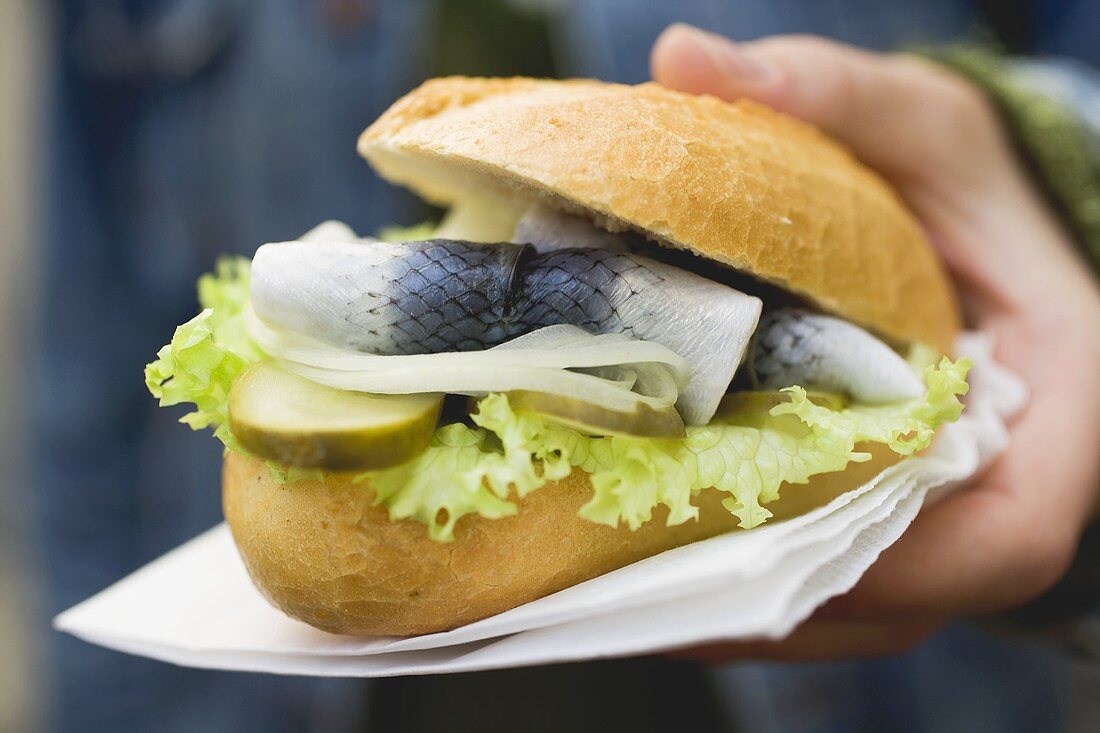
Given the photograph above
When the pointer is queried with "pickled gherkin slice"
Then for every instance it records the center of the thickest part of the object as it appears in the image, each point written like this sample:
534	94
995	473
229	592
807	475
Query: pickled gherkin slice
295	422
585	417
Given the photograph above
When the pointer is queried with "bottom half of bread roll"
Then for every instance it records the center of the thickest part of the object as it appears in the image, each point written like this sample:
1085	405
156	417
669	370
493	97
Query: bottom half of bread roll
323	553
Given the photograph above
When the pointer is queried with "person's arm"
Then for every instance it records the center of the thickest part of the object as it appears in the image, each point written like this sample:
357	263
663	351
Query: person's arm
938	140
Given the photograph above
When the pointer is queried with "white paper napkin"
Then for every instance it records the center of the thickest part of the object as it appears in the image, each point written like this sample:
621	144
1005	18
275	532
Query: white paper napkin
196	605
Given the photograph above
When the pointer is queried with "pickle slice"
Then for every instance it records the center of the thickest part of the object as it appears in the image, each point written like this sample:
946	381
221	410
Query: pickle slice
295	422
645	422
762	401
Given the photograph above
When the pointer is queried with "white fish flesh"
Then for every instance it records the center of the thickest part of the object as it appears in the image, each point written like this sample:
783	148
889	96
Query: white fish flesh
547	229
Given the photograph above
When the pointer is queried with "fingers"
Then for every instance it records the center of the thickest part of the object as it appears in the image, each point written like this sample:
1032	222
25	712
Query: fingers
818	640
894	112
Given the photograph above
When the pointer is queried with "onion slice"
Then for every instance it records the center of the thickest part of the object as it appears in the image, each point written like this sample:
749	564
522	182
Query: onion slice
610	370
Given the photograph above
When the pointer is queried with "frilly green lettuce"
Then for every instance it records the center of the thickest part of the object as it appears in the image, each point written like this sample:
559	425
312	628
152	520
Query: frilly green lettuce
748	455
478	469
208	352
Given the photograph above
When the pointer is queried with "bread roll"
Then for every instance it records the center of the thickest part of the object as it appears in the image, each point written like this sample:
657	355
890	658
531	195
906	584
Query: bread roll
323	554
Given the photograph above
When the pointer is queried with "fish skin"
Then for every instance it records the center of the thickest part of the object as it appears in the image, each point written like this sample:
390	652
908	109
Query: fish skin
587	288
450	299
798	347
447	295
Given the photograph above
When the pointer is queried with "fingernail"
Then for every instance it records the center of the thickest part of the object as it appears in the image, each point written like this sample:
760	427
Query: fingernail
733	60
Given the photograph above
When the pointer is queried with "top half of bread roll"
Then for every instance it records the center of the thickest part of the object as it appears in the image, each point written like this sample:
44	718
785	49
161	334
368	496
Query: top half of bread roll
738	183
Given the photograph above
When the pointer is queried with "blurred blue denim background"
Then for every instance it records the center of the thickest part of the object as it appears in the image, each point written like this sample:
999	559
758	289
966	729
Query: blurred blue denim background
180	129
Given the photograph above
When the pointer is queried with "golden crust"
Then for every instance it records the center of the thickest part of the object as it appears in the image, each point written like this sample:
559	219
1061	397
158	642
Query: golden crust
739	183
323	554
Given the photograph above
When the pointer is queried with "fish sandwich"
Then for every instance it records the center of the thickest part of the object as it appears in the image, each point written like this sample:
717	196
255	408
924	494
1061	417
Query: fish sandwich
646	318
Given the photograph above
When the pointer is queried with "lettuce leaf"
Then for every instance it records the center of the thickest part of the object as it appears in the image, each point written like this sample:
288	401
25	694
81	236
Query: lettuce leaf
208	352
748	455
478	469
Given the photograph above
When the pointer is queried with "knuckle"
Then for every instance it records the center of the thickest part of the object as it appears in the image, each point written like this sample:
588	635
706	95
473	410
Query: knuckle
959	127
958	100
837	81
966	104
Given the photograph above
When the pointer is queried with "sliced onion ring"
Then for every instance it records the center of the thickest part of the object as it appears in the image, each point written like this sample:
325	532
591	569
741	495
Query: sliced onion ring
610	370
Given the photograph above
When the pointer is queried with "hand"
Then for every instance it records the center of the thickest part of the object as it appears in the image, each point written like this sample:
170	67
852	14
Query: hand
1012	535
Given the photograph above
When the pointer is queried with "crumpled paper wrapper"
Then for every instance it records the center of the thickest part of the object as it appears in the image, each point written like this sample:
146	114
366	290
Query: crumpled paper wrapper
196	606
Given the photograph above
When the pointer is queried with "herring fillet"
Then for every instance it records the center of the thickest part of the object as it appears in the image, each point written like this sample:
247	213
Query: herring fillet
438	296
794	346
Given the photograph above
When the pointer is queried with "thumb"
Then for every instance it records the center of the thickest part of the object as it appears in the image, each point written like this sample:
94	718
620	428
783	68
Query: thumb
894	112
